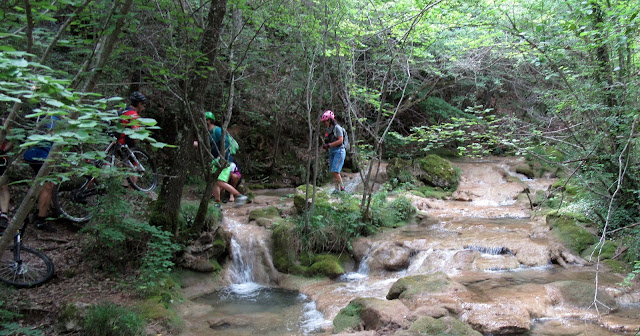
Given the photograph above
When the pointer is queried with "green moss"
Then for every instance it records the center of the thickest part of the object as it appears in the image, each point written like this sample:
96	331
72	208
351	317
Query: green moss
153	309
268	212
348	318
616	266
327	265
322	199
608	250
571	233
109	319
445	326
283	251
525	170
410	286
434	192
438	172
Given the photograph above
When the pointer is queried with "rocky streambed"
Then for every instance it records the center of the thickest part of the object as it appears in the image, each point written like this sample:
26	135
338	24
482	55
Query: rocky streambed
479	263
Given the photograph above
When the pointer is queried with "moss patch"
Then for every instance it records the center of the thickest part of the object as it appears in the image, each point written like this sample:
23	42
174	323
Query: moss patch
608	250
408	287
270	212
571	232
322	198
445	326
616	266
327	265
438	172
348	318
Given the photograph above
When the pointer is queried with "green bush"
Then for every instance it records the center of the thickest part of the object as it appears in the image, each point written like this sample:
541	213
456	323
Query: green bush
109	319
117	242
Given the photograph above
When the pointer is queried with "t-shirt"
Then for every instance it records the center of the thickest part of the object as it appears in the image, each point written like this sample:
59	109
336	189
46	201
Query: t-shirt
216	143
333	132
40	151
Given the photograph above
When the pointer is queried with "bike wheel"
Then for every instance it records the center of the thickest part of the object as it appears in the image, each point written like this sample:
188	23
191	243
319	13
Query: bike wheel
76	199
27	268
145	175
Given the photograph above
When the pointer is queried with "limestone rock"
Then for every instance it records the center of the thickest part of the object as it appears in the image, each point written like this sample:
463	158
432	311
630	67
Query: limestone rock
579	294
414	285
377	314
444	326
498	319
390	257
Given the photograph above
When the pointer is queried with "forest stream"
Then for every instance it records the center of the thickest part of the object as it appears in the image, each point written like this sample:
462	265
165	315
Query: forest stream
503	272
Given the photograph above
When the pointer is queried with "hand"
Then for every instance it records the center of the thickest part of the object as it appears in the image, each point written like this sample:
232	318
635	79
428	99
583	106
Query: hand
195	143
325	146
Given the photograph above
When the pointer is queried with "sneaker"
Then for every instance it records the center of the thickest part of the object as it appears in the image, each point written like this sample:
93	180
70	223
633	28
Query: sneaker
241	199
42	224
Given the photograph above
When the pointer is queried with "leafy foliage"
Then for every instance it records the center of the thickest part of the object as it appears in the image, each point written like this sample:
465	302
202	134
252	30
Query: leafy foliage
109	319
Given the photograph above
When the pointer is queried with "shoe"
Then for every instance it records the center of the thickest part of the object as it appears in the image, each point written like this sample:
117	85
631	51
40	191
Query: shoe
343	189
241	199
4	221
42	224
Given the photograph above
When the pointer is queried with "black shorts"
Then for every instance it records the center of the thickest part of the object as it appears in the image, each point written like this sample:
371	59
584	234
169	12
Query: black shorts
35	166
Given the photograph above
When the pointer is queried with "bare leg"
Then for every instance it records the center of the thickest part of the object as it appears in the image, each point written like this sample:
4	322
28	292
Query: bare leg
226	186
216	192
44	201
338	179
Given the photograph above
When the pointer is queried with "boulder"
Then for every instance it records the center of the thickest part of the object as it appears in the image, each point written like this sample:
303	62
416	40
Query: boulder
438	172
372	314
390	257
415	285
498	319
571	232
360	248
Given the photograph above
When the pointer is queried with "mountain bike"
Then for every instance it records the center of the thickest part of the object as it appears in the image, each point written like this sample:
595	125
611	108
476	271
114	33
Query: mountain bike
77	198
23	266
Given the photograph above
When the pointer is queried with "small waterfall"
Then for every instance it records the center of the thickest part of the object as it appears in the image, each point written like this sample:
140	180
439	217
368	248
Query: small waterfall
489	250
351	186
363	267
241	269
251	264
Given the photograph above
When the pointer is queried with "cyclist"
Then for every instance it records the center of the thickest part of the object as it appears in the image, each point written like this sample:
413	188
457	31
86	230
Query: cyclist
131	112
35	157
333	141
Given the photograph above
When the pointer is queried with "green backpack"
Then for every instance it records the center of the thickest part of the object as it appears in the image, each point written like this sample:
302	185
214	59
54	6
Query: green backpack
233	144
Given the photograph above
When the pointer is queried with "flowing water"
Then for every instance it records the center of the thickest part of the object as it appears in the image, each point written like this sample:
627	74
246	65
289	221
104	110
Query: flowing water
484	239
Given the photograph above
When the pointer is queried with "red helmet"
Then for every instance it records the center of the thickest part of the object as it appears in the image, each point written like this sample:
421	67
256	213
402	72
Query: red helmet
327	115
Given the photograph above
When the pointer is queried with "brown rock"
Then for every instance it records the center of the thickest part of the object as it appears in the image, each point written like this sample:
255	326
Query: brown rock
377	314
498	319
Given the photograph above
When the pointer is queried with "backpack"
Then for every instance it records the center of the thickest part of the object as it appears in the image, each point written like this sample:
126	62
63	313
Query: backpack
345	137
233	144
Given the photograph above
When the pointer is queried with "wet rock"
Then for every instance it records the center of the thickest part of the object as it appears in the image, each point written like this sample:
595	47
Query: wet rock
620	324
580	294
415	285
498	319
327	265
199	263
444	326
525	170
390	257
269	212
377	314
463	260
266	222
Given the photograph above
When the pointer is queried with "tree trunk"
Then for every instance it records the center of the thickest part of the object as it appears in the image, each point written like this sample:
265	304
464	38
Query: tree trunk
167	210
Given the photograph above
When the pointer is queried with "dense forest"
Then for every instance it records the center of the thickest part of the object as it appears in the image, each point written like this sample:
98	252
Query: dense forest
554	81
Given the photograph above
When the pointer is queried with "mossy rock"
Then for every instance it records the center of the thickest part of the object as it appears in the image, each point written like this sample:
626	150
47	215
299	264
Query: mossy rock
400	170
269	212
616	266
608	250
327	265
525	170
438	172
408	287
444	326
348	318
283	252
152	309
580	294
571	233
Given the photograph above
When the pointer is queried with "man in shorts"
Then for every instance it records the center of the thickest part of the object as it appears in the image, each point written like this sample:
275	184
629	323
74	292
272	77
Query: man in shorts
35	157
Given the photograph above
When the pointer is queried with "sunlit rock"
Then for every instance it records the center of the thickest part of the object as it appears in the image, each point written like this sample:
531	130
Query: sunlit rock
498	319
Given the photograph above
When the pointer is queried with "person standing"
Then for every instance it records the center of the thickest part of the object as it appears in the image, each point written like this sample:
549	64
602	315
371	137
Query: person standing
334	142
4	189
35	157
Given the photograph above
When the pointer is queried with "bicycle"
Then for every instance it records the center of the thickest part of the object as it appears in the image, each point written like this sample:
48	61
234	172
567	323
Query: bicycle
23	266
77	198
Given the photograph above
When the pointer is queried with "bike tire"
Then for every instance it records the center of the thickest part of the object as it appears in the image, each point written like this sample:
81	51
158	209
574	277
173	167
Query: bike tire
75	200
144	170
34	267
